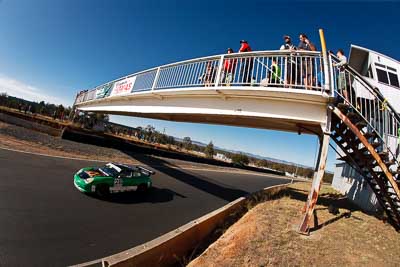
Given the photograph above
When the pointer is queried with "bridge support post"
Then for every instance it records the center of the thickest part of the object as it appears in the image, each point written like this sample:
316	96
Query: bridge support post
318	175
327	69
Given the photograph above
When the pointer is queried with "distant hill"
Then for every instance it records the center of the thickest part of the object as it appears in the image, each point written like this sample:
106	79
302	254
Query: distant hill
247	154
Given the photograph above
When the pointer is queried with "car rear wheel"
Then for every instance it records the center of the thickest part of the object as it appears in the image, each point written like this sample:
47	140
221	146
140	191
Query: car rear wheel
102	190
142	188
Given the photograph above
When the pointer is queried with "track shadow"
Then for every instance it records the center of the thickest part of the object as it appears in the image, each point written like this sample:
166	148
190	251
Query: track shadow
318	226
153	195
200	182
331	202
88	137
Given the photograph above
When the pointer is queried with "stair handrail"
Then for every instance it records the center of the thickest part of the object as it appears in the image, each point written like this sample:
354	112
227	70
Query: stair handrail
382	102
371	87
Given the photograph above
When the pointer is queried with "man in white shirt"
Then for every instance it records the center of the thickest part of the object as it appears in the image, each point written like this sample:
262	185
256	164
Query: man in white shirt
290	62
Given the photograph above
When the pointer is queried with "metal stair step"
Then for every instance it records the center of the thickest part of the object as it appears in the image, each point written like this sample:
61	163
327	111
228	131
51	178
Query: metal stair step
376	144
389	162
353	115
361	124
369	135
383	154
343	107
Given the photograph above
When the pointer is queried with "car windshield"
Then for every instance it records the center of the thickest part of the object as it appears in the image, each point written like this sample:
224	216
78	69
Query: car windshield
110	171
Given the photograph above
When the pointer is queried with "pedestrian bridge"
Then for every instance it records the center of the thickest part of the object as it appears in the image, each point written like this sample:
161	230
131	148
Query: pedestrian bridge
233	89
296	91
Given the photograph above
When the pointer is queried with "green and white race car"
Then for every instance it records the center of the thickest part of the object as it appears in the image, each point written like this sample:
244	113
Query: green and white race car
113	177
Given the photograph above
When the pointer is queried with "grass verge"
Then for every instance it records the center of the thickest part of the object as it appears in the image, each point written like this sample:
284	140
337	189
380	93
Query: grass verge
266	235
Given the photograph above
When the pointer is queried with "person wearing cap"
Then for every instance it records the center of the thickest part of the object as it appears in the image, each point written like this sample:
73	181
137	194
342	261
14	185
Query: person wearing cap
244	46
246	66
288	43
290	62
228	69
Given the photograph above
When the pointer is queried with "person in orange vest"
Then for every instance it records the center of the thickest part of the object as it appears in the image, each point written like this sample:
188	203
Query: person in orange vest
246	64
228	69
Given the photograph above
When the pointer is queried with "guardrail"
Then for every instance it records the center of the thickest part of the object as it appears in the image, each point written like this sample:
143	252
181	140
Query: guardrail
286	69
170	248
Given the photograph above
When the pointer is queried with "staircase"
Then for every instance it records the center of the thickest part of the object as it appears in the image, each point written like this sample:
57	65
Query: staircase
364	153
360	128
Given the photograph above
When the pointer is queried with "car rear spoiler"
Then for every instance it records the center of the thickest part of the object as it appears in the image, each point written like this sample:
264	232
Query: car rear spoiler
146	170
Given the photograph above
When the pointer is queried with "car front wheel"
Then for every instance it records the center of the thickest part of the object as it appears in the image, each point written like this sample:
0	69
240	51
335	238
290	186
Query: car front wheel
102	190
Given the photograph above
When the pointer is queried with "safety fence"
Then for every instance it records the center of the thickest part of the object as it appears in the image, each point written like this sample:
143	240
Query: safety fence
284	69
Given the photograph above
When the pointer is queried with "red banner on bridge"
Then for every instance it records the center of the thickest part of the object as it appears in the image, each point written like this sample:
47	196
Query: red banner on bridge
123	87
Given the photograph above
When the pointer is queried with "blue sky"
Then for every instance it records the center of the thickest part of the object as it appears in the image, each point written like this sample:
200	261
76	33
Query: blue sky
51	49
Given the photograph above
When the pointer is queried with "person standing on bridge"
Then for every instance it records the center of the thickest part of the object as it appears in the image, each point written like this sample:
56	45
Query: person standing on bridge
341	66
307	66
274	75
290	62
246	64
208	77
228	70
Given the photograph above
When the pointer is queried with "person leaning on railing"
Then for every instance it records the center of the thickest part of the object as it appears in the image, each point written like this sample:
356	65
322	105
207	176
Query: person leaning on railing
274	75
228	69
208	77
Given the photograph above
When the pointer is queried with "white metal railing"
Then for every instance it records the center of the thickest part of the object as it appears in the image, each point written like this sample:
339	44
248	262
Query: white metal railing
280	69
285	69
351	88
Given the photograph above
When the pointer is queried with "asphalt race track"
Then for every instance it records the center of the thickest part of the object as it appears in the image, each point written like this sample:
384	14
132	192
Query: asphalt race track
46	221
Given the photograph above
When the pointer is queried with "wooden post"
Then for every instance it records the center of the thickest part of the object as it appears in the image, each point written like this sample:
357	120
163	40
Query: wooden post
318	175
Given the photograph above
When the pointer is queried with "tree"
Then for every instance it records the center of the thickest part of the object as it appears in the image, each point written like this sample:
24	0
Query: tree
149	133
240	159
187	143
171	140
3	99
209	151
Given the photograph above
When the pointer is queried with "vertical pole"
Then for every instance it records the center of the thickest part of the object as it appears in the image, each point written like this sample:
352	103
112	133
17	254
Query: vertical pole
333	82
219	71
155	79
327	81
318	175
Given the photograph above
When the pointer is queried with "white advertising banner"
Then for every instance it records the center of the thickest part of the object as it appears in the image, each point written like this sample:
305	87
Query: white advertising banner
123	87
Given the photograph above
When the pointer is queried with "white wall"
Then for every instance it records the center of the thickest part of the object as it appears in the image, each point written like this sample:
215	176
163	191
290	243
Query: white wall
349	183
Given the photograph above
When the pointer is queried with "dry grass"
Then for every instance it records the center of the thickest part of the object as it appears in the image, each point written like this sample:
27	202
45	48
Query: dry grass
16	137
266	236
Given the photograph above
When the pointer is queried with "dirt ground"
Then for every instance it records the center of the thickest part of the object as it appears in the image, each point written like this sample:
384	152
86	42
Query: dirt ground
15	137
266	236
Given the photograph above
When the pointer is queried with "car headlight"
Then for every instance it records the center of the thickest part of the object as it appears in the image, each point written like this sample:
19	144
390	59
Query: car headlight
88	180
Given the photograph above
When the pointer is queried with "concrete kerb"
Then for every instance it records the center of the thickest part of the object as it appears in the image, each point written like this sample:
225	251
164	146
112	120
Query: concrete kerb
167	249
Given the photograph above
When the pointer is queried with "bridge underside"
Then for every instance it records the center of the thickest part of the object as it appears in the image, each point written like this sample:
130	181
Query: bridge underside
275	109
240	121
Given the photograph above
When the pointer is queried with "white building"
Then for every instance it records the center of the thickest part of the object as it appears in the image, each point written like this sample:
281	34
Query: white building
382	72
222	157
